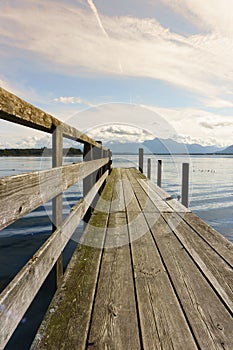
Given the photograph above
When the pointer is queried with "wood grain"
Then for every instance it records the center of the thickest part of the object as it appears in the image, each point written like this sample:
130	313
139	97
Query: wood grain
23	193
213	267
162	321
114	323
18	295
209	319
67	320
15	110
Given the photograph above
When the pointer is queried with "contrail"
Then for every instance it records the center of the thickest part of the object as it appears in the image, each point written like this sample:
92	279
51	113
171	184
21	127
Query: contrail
94	10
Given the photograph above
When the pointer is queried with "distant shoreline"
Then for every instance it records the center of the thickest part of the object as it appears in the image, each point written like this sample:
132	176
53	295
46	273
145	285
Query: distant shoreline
75	152
37	152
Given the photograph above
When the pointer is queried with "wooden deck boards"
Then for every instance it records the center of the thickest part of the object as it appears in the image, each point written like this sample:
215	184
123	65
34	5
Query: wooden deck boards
149	275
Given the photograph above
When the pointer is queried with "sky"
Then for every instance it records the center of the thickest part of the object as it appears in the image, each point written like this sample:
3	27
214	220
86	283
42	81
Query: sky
121	70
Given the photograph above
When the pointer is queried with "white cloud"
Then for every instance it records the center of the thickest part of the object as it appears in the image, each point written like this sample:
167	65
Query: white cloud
73	100
217	103
120	132
70	38
197	124
214	15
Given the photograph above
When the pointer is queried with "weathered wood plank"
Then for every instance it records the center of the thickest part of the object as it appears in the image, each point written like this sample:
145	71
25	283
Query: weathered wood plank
15	110
23	193
209	319
221	245
172	202
57	144
160	205
213	267
145	202
67	320
163	324
18	295
114	322
118	203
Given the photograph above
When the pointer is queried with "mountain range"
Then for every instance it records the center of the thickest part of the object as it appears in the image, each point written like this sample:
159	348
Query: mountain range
166	146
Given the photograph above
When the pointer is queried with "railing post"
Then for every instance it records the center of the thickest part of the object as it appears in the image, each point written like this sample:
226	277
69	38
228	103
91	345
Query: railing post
141	152
57	146
149	168
87	156
110	161
87	181
185	184
102	169
159	173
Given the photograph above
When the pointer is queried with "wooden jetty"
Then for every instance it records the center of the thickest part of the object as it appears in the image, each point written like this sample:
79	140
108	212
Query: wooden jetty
147	273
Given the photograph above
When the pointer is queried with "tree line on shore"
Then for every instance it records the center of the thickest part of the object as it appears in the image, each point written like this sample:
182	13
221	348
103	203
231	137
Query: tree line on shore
37	152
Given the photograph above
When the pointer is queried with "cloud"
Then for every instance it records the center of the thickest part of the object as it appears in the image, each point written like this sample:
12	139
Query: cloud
207	125
213	15
207	128
217	103
73	100
70	39
121	133
211	125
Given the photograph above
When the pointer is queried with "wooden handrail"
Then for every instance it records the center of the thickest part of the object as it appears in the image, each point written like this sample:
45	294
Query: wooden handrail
19	294
16	110
20	194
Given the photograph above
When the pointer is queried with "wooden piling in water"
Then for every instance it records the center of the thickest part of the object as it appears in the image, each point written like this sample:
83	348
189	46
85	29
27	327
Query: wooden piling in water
185	184
141	154
149	168
159	172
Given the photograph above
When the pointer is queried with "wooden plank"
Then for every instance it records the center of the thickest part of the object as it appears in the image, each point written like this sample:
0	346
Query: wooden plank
213	267
172	202
163	324
144	201
118	203
114	322
209	319
67	320
23	193
18	295
221	245
160	205
16	110
57	146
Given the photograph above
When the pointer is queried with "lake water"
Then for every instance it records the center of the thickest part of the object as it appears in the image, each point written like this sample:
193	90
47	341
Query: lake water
210	190
210	197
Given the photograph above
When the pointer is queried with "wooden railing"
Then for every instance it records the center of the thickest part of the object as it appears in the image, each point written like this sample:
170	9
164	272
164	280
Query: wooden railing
20	194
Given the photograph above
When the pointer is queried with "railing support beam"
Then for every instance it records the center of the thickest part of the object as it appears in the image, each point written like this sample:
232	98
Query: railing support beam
57	145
